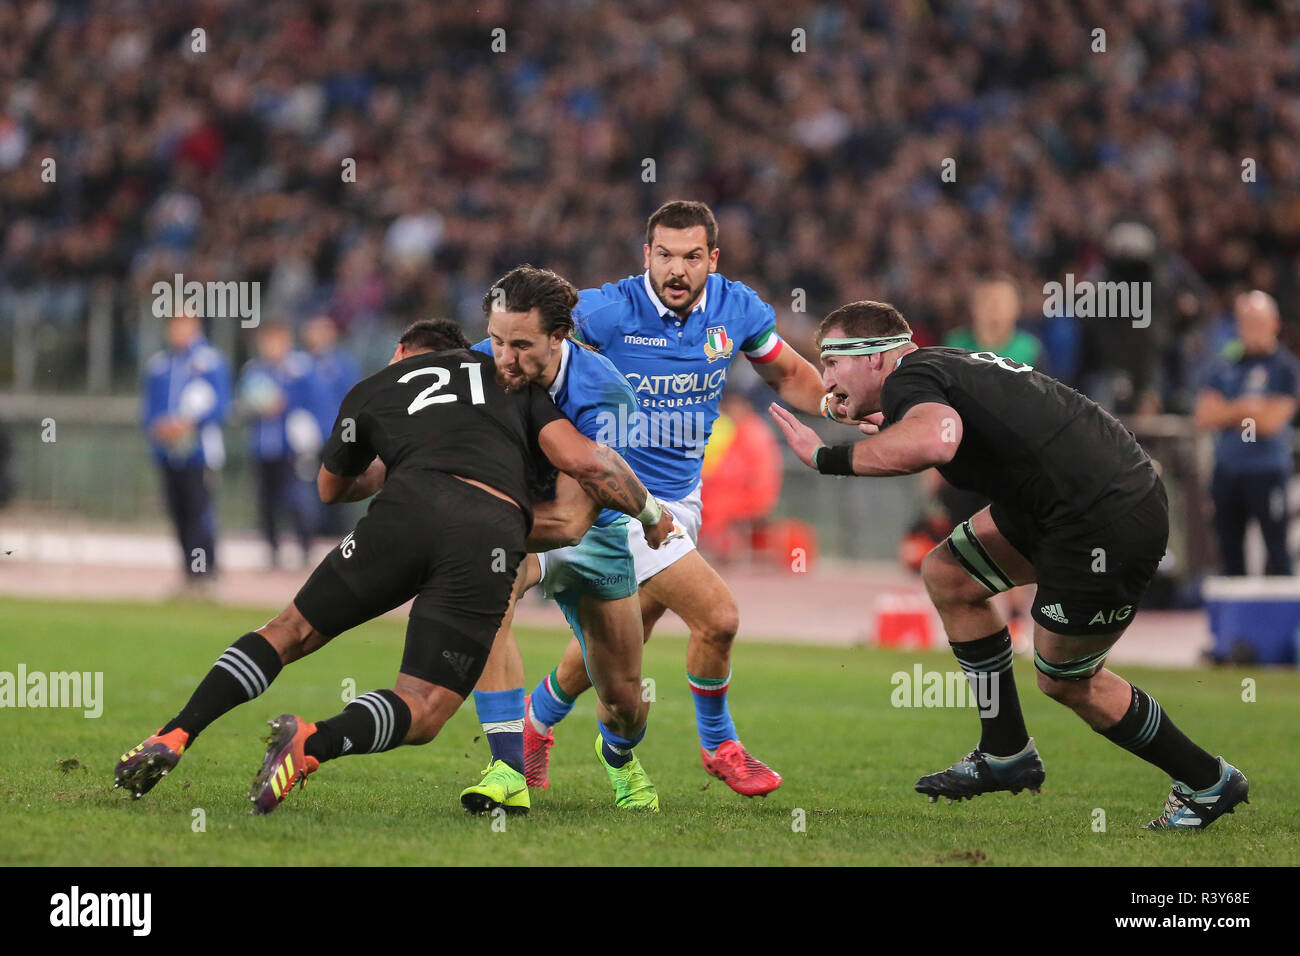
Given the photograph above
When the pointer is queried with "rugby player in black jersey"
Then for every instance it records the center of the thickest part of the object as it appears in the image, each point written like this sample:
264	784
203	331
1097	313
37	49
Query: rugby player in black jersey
451	452
1078	509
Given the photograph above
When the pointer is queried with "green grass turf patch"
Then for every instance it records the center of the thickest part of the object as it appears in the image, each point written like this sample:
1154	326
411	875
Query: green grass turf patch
821	716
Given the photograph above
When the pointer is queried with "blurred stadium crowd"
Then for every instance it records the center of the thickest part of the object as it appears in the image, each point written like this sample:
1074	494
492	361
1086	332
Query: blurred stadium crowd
823	166
900	151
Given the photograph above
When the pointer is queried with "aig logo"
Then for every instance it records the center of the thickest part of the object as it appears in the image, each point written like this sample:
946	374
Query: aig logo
1115	615
348	545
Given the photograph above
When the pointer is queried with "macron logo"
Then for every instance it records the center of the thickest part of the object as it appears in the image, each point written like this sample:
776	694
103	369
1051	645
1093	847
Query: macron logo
658	340
102	909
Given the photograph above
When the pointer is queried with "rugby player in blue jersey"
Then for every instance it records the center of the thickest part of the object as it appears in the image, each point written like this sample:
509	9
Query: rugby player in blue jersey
673	332
530	318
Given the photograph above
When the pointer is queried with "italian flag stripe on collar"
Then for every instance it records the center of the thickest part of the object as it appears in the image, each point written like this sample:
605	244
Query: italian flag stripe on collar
767	349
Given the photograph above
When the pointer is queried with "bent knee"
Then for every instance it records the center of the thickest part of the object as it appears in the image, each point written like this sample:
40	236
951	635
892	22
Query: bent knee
721	625
1068	692
430	709
426	723
419	734
623	701
292	636
947	582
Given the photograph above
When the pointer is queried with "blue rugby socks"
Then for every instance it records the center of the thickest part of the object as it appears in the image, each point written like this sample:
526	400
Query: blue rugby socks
712	718
550	704
501	713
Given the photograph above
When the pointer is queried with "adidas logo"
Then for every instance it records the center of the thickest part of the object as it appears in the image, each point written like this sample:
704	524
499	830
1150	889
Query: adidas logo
1054	612
347	744
461	663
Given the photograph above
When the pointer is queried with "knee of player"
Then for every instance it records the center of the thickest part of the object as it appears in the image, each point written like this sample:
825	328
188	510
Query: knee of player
721	625
291	635
624	705
946	581
1066	692
423	727
418	736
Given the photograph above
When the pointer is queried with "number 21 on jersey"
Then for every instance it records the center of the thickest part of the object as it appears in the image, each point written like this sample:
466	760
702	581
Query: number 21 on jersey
442	377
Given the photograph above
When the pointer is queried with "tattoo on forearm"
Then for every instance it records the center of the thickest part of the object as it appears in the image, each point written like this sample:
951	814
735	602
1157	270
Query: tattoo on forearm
617	487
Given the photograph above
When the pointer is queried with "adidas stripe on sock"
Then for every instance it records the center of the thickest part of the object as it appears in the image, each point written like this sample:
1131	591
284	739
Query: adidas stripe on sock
987	665
371	724
243	672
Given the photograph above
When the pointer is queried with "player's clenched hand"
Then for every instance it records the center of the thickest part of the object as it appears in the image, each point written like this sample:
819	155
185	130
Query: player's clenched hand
871	424
803	440
835	406
663	532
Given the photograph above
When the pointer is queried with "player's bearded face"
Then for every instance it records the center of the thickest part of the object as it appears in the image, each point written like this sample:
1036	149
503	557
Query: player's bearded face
523	352
679	263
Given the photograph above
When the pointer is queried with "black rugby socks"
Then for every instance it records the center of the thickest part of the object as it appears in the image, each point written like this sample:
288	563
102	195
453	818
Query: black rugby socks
987	663
372	723
243	672
1145	731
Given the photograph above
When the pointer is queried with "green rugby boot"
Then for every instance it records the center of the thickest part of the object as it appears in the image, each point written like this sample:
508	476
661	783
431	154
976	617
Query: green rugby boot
502	786
632	788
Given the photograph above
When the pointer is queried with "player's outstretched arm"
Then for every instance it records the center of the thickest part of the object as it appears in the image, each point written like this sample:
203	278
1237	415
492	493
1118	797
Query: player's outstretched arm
795	379
334	489
928	435
605	477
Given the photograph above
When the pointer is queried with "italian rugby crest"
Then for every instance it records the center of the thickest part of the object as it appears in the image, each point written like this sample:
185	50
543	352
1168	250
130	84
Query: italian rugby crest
717	345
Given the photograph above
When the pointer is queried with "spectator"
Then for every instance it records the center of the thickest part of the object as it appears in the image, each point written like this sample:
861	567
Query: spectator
323	150
994	308
275	394
1248	401
741	474
334	372
186	395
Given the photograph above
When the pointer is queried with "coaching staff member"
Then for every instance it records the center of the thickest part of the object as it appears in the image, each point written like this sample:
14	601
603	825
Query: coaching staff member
186	396
1248	401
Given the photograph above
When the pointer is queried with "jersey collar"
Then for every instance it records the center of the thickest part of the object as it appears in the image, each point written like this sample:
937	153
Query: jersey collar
662	309
562	371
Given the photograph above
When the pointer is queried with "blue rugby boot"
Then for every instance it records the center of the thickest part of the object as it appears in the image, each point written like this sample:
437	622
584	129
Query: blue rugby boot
1188	809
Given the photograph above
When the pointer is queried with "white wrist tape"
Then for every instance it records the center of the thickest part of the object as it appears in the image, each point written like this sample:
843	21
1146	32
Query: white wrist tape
651	513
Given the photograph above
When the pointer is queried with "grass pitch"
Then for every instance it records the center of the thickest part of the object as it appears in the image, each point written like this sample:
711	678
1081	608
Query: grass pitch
823	717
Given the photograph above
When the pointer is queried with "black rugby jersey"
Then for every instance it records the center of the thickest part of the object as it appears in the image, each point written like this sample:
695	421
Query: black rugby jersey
1029	442
443	412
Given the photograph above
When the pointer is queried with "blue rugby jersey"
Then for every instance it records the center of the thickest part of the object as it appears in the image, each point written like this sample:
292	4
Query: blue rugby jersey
595	397
272	437
194	383
677	369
